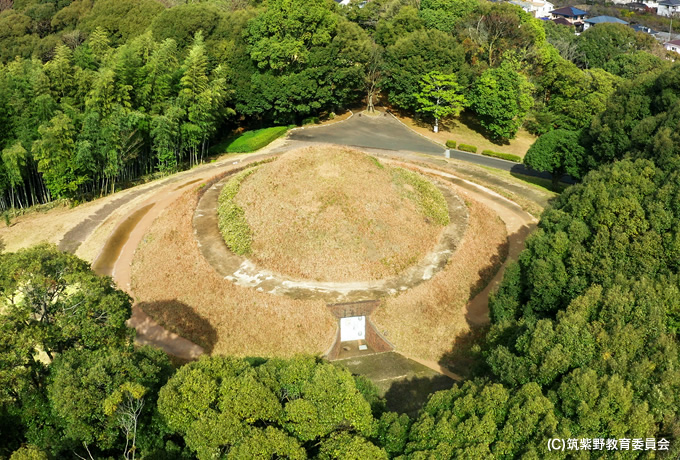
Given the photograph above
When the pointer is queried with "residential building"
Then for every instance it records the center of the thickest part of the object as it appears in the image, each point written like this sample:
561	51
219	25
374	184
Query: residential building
643	29
570	13
538	9
673	45
669	8
588	23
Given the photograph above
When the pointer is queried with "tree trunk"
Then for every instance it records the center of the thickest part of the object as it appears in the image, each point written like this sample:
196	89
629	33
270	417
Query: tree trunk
370	108
556	176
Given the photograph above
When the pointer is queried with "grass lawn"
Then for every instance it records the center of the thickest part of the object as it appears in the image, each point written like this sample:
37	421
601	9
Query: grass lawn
249	141
466	130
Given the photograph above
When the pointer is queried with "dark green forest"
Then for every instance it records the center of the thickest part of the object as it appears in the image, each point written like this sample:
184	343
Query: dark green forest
583	341
95	94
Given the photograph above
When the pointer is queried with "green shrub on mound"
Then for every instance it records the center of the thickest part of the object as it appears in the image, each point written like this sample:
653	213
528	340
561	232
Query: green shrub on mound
467	148
425	195
501	155
231	218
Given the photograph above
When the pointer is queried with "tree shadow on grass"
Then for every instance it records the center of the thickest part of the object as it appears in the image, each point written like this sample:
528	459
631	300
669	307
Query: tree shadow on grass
465	357
409	395
183	320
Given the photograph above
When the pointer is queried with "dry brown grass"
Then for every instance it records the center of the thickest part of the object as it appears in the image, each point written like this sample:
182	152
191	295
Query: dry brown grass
333	214
177	287
425	321
466	131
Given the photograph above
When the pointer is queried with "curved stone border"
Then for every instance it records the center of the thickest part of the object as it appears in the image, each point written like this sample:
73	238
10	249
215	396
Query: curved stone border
244	272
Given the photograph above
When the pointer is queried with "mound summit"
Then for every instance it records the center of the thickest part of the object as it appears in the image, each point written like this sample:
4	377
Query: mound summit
336	214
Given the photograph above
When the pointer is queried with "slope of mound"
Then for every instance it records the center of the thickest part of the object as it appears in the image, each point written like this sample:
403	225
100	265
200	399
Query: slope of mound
335	214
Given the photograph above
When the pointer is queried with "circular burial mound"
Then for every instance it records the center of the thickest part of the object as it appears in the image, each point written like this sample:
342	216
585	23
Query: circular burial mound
331	214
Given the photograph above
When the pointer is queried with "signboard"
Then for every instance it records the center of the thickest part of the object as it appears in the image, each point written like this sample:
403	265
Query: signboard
352	328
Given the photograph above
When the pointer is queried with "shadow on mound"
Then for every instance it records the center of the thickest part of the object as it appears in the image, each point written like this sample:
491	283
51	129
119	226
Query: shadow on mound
183	320
409	395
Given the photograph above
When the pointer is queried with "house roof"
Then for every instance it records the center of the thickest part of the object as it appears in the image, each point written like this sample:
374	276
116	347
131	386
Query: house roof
647	30
670	2
570	11
605	19
562	22
673	42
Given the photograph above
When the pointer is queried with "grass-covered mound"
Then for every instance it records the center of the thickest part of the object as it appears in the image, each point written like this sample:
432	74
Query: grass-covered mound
333	214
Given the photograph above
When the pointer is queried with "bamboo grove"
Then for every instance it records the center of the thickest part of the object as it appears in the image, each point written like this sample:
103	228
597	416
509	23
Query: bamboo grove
85	121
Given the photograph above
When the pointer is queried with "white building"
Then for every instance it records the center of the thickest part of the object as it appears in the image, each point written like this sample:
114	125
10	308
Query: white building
668	8
537	9
673	45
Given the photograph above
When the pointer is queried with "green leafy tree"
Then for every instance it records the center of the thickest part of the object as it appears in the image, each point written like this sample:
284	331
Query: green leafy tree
446	15
415	55
407	20
14	160
282	35
481	419
501	98
440	96
598	45
640	121
635	64
54	151
104	399
499	30
61	72
223	404
557	152
51	303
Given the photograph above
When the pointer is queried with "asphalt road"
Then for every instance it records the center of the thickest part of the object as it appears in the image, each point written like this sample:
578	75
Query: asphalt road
384	132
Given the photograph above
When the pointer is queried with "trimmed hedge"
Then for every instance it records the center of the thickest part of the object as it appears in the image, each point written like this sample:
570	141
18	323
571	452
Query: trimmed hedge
425	195
231	218
451	144
504	156
467	148
255	140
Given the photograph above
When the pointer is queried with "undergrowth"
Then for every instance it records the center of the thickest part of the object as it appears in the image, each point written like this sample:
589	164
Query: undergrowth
231	217
425	195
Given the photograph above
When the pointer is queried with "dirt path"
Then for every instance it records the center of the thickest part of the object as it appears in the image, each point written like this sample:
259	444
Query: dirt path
118	247
116	257
244	272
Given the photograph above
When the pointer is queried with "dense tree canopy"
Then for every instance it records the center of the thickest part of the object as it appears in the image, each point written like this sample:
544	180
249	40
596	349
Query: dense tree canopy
222	405
557	152
640	121
501	98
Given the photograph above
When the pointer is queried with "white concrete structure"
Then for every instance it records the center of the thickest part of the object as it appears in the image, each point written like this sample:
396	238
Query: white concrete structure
352	328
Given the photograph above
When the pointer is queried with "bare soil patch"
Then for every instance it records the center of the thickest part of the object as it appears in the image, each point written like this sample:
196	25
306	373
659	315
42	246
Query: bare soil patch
334	214
177	287
426	319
